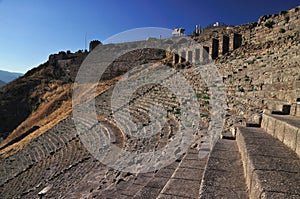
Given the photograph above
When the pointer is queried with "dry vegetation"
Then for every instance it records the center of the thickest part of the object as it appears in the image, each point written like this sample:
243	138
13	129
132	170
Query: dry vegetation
56	106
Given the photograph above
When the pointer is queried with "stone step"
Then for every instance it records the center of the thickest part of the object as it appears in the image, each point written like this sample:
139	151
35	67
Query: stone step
272	170
72	179
14	165
143	185
185	181
285	128
224	176
281	95
278	107
46	169
156	184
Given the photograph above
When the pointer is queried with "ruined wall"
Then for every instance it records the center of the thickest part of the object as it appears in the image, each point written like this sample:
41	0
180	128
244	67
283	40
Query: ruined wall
218	41
221	40
94	44
274	27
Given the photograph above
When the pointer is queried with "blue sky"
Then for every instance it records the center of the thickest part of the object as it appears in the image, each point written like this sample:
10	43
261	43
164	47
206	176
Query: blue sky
31	30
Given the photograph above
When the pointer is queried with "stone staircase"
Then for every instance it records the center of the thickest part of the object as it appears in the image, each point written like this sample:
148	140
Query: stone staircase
181	179
224	176
263	161
271	153
271	169
260	159
186	179
285	128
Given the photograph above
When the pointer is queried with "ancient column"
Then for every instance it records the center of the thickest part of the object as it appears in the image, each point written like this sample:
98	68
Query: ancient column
196	56
189	56
237	41
215	48
225	44
205	55
182	56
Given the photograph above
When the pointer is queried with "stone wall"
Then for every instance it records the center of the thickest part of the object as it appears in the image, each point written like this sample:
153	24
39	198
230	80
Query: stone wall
283	24
218	41
94	44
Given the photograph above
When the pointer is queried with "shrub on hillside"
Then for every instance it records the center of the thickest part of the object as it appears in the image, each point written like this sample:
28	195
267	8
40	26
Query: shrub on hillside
287	18
269	24
241	89
282	30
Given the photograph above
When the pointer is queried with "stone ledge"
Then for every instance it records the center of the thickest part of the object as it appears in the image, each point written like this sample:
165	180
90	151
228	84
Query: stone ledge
271	169
223	176
186	179
284	128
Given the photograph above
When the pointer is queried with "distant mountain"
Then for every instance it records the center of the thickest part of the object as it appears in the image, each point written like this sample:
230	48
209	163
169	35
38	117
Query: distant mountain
2	83
6	76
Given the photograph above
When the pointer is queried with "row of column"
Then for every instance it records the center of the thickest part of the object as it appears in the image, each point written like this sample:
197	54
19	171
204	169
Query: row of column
198	55
202	54
225	45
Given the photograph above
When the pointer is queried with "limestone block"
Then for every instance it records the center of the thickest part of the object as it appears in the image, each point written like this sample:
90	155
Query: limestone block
298	109
271	126
298	144
279	130
265	119
290	136
293	109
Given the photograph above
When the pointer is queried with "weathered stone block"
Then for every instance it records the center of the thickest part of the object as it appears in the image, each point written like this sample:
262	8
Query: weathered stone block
293	109
215	48
298	143
298	109
279	130
264	122
290	136
271	126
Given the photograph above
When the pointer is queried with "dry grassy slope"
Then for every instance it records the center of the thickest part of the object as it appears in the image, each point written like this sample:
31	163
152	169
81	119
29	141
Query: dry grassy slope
36	101
57	108
20	98
49	100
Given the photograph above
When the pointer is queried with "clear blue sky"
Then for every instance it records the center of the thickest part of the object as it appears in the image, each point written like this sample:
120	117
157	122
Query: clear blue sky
30	30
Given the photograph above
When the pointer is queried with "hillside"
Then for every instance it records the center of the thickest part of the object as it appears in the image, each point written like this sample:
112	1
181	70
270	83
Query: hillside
38	87
43	95
256	156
